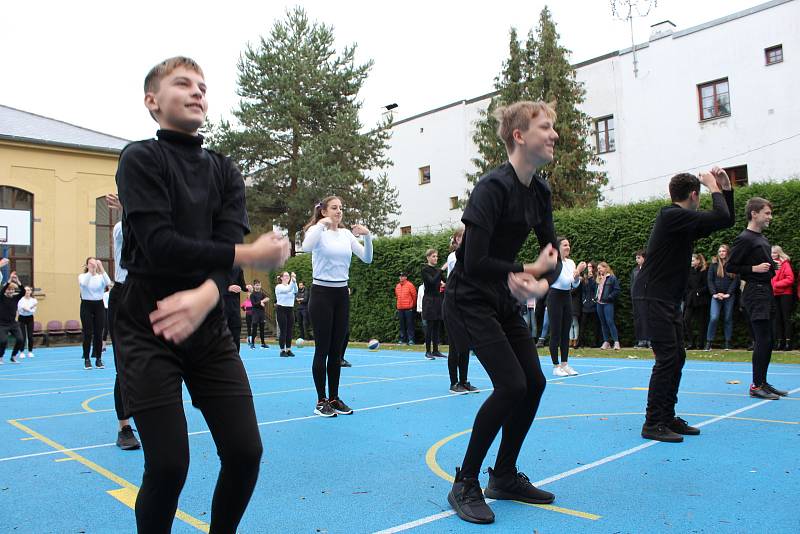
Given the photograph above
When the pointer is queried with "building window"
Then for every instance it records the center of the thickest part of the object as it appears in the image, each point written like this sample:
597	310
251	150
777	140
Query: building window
774	54
738	175
453	203
604	134
425	175
715	100
20	257
405	230
104	221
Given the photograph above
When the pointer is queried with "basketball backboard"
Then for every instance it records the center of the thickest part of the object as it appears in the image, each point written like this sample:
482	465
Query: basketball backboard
15	227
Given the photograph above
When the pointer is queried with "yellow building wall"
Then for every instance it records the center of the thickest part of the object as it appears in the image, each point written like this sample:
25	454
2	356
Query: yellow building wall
65	184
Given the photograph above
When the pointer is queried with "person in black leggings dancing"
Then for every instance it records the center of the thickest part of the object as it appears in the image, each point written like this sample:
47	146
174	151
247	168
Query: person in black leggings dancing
331	246
93	283
284	310
482	301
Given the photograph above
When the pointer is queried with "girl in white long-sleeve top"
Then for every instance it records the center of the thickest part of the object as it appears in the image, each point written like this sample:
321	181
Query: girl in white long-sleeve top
284	310
93	283
331	246
26	308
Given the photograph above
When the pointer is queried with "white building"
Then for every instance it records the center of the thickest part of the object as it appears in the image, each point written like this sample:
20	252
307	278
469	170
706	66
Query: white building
715	94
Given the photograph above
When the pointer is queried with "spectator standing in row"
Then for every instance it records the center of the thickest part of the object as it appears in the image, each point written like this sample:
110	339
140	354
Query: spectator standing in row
782	284
722	287
432	304
589	304
607	293
301	311
696	302
639	326
406	295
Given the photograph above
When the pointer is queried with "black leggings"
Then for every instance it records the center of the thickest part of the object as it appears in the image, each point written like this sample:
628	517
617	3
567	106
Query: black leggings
330	314
26	325
432	329
248	319
783	317
259	320
457	365
560	305
589	318
694	318
113	298
93	318
285	323
14	330
762	350
233	425
513	367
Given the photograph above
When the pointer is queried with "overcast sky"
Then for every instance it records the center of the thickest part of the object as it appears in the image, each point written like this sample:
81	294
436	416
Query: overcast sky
84	62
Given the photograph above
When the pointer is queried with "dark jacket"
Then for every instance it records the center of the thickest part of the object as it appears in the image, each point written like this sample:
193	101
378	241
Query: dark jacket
8	305
697	295
611	290
433	297
726	284
576	295
589	288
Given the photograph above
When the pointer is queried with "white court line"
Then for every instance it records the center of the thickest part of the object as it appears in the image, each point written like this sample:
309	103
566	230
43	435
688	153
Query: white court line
577	470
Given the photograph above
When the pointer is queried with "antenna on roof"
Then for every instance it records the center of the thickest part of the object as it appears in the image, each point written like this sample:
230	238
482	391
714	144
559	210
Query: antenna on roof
624	10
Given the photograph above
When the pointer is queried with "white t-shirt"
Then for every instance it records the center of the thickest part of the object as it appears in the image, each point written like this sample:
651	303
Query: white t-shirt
566	280
284	294
451	263
120	273
27	306
93	286
420	294
331	252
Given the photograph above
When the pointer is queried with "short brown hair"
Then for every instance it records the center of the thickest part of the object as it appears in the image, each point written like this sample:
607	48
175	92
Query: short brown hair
517	116
163	69
756	204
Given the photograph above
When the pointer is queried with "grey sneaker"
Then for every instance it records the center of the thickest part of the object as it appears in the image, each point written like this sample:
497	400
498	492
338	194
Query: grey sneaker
469	387
324	409
340	407
126	440
457	388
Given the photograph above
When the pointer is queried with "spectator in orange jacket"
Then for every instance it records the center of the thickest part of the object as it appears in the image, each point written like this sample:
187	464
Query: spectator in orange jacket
406	295
782	284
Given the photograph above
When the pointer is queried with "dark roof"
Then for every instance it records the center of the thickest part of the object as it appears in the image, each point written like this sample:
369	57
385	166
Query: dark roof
25	127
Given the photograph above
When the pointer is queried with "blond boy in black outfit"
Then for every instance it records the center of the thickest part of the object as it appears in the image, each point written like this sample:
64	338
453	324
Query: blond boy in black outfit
184	222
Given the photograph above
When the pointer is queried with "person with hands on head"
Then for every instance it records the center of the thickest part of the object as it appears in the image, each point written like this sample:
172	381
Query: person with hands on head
661	287
26	309
184	221
92	284
285	293
482	299
332	247
9	301
751	258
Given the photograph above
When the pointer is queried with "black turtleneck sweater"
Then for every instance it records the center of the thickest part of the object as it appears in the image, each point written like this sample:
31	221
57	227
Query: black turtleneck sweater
183	211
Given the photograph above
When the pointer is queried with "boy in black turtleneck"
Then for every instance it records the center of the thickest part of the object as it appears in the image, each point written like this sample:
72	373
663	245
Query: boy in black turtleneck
661	285
751	258
184	221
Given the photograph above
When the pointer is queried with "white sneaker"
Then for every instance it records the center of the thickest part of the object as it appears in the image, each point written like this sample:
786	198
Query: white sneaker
605	346
616	346
559	371
21	355
30	355
1	361
570	371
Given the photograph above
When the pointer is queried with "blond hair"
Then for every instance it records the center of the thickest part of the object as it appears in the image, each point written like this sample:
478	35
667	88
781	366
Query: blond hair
702	260
781	254
609	270
518	116
165	68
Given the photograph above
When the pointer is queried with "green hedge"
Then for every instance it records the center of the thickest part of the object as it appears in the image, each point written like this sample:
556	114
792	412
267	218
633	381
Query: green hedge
610	234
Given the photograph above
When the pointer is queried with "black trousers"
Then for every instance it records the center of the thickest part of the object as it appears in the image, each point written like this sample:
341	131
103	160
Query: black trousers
665	328
165	442
458	365
762	349
589	329
113	303
639	324
783	317
259	321
15	331
26	326
286	323
695	324
330	314
539	314
433	327
234	319
93	317
559	303
303	321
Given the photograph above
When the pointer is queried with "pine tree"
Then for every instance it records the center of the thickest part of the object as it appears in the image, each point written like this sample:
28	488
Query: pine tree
298	137
541	71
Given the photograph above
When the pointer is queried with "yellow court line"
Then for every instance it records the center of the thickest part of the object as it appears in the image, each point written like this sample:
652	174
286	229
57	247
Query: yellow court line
85	404
433	464
64	460
127	487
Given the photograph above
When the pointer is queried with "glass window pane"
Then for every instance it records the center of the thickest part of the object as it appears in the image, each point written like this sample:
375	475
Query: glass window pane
101	210
724	105
722	87
611	123
708	102
611	140
706	91
103	242
601	145
708	113
24	270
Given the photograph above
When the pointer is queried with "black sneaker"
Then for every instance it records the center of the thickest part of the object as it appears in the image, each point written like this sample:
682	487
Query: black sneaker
772	389
457	388
99	363
430	356
540	343
516	486
283	354
680	426
660	432
762	393
345	363
340	407
469	387
13	359
264	346
707	347
438	354
289	353
126	440
87	363
467	500
324	409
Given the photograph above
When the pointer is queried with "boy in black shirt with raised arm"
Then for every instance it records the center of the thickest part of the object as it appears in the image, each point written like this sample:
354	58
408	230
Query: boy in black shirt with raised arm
751	258
661	285
183	222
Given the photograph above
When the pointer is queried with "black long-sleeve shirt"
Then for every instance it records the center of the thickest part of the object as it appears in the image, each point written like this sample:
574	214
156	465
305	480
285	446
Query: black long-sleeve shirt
665	272
8	305
499	216
432	279
236	279
183	212
749	249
